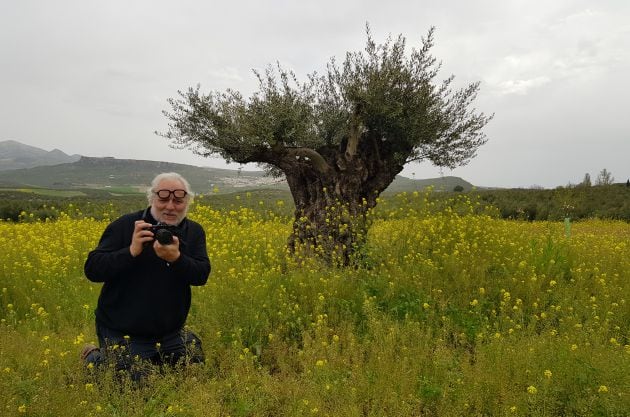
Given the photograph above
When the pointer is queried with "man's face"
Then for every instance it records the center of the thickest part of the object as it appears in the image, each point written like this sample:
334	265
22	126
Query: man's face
170	210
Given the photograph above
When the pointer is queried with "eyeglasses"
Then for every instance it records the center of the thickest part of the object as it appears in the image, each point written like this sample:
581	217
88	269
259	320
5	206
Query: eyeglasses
166	194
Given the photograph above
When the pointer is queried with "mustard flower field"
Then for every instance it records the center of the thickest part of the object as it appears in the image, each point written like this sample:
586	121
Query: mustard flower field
450	312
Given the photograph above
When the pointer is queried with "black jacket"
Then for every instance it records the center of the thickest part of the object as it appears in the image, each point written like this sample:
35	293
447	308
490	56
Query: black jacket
146	296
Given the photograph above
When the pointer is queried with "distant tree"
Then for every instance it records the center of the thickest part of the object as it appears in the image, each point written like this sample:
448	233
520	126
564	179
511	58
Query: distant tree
628	183
604	178
340	138
586	182
458	188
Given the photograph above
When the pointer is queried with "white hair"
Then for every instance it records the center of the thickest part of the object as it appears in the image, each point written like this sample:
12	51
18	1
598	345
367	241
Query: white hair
169	176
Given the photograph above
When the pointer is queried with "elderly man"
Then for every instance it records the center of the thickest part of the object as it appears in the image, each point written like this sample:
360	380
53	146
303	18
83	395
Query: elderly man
147	262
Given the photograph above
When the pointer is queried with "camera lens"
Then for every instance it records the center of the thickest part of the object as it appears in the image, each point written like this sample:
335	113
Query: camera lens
164	236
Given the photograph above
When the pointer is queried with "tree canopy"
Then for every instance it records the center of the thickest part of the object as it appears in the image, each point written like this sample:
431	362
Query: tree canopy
339	136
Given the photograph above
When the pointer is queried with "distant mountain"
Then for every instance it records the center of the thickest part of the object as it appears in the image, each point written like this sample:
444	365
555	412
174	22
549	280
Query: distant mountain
16	155
114	173
135	175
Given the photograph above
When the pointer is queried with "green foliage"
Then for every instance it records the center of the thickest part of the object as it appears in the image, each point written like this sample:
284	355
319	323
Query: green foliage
610	202
606	202
383	98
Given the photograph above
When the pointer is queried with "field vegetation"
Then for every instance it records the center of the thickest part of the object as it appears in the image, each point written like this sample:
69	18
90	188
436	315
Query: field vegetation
576	202
450	310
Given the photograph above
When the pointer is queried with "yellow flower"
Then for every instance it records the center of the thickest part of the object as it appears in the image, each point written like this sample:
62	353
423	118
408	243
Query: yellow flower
602	389
532	390
319	363
548	373
22	409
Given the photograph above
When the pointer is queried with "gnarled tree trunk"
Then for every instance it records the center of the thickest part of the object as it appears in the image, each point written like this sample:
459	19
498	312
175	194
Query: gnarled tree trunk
332	204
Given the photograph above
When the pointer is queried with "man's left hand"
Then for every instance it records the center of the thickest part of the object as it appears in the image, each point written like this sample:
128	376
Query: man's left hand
170	252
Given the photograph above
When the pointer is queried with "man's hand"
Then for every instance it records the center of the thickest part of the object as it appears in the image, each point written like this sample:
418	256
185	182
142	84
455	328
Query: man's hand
170	252
140	236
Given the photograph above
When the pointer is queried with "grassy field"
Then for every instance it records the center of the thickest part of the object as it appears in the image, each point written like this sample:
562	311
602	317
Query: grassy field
452	312
46	192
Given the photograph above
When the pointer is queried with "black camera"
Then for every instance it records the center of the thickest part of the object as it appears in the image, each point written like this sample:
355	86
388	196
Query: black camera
164	233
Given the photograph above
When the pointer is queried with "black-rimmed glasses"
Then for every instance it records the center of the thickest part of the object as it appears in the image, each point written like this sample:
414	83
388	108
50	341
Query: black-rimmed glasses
166	194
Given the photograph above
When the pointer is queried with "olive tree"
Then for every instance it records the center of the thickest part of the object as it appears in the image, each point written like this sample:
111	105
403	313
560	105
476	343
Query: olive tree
340	138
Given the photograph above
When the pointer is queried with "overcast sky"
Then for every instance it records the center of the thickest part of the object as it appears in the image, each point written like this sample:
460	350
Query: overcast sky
92	77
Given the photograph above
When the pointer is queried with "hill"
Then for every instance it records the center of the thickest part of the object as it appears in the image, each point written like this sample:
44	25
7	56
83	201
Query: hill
133	175
16	155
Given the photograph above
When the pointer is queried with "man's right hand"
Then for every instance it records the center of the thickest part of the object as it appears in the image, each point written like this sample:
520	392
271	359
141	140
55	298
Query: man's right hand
140	236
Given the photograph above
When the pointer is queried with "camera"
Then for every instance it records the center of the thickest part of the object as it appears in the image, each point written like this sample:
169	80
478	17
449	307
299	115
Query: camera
164	233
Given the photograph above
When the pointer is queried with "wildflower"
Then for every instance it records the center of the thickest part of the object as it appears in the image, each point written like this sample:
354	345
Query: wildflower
474	302
574	347
319	362
548	373
79	339
22	409
602	389
532	390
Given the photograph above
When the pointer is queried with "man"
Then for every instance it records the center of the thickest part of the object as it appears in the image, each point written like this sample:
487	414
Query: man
146	292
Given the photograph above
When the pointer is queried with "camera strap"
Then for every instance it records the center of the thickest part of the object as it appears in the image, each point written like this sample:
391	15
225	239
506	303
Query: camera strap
144	214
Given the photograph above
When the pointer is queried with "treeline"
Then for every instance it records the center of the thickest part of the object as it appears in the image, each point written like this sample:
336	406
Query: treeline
576	202
31	205
37	205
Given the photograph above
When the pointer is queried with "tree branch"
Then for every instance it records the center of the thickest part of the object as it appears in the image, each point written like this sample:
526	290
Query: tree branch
316	159
354	135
